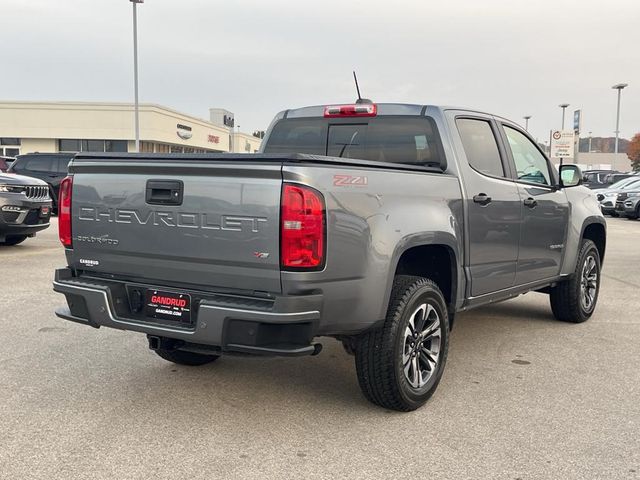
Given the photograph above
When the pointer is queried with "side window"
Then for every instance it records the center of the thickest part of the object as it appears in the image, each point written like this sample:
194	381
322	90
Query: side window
39	164
480	146
531	166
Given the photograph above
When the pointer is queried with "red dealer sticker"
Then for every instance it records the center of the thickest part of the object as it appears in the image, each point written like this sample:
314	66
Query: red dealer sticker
172	306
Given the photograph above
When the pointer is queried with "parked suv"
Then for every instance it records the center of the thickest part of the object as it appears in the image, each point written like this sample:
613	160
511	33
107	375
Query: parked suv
628	204
25	207
607	197
50	167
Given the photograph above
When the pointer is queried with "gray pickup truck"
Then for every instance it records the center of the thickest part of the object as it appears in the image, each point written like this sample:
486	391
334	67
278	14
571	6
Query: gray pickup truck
370	223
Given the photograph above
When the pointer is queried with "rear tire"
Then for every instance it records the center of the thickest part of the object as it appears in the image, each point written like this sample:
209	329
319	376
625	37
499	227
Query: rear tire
574	300
14	240
400	364
181	357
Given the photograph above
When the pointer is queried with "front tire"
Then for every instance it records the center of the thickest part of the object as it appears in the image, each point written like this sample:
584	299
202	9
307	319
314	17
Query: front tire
634	216
400	364
181	357
575	300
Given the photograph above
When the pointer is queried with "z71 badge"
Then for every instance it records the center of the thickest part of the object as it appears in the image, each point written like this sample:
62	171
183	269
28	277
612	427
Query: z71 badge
350	180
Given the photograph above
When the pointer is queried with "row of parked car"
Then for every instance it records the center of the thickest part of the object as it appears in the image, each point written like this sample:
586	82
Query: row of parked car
29	186
621	199
600	179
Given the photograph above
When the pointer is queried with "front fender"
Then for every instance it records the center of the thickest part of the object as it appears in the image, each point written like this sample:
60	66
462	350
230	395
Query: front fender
585	211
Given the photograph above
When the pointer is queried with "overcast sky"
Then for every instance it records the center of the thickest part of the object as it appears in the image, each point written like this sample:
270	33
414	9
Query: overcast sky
256	57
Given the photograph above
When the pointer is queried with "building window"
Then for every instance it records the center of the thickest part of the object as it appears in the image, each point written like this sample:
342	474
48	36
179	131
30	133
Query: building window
13	150
92	145
146	147
70	145
10	152
115	145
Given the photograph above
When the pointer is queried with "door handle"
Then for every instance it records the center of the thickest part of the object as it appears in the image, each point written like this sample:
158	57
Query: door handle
482	198
531	202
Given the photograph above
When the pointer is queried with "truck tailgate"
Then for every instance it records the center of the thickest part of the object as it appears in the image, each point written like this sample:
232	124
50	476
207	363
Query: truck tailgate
178	221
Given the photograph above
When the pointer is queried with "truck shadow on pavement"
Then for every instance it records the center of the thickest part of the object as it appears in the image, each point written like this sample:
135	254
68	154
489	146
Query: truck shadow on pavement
307	384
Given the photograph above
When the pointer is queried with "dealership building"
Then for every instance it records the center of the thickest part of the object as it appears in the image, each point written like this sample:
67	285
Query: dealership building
27	127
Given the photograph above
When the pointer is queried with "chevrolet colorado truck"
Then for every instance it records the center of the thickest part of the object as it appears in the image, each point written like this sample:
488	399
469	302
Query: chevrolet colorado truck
25	208
369	223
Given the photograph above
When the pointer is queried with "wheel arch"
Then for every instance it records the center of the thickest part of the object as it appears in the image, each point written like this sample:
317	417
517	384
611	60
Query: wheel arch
595	229
435	257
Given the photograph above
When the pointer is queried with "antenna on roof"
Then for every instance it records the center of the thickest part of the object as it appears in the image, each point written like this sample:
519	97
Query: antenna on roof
360	99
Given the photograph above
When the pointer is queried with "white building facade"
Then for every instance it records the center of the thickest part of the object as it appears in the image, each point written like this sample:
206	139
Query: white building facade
27	127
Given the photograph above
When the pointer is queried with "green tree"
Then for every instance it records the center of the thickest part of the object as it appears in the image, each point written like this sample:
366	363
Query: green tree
633	152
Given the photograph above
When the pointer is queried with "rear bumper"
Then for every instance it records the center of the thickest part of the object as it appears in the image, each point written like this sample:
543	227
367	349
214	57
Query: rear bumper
224	323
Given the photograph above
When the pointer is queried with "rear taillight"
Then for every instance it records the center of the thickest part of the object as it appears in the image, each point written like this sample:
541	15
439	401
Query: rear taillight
302	228
64	211
357	110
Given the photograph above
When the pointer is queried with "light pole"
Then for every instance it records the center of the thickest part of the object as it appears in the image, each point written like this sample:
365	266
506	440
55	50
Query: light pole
590	141
619	87
135	72
526	122
563	106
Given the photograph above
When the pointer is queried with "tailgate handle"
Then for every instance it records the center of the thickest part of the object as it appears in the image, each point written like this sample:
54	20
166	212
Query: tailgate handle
164	192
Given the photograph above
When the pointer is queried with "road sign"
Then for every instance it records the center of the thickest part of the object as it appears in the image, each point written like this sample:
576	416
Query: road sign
562	144
577	117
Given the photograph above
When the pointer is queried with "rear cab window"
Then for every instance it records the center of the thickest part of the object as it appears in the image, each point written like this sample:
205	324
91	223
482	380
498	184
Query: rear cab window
409	140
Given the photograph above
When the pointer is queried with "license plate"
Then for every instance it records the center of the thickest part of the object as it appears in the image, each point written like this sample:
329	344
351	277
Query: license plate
172	306
44	211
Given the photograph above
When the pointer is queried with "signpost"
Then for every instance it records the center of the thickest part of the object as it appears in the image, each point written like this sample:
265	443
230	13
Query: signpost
577	123
577	117
562	144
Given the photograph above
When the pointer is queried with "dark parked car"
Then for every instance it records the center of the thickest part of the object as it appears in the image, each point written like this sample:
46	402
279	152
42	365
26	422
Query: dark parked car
616	177
595	179
50	167
25	208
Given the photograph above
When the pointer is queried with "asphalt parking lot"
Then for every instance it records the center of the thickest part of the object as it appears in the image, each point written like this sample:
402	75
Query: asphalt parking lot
523	396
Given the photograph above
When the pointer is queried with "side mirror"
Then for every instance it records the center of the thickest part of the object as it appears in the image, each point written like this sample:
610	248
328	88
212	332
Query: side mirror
570	176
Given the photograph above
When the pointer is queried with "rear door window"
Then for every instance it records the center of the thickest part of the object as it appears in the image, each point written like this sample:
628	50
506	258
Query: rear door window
480	146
